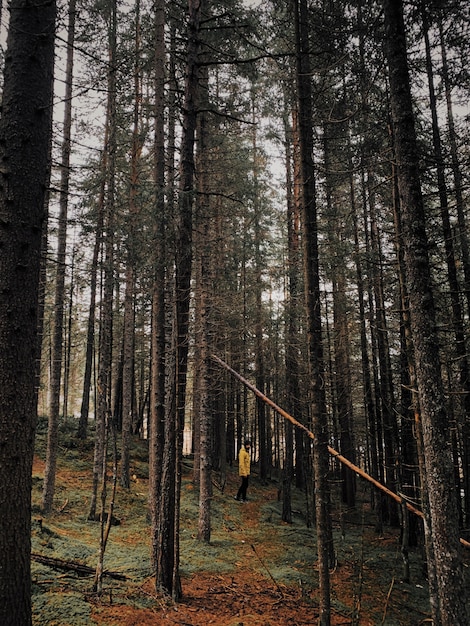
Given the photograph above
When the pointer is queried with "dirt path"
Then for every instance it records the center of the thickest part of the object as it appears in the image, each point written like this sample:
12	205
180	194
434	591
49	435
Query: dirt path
247	596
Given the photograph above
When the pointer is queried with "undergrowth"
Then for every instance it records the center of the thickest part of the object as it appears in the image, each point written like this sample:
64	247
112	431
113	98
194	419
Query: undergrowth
366	579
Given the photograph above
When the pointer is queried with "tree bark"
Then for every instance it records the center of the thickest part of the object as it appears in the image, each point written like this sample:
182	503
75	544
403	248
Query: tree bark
103	407
292	323
25	130
128	352
157	367
312	297
301	452
59	296
82	429
167	549
459	343
450	609
258	330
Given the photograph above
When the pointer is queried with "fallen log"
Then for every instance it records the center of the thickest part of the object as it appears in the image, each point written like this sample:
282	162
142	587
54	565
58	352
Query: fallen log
73	566
398	498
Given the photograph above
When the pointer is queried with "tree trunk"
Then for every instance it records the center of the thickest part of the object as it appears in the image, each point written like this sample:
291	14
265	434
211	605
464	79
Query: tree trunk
462	236
128	375
312	292
341	376
157	367
68	338
103	407
456	167
292	325
203	416
261	412
459	343
451	609
408	406
59	297
25	130
167	562
388	427
361	266
301	451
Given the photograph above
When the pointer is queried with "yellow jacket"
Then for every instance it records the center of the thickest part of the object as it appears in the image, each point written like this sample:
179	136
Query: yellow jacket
243	462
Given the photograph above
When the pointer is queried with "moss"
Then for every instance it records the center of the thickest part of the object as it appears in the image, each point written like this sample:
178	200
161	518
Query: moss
68	608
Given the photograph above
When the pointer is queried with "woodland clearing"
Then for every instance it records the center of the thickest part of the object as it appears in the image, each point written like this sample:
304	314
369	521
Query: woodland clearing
256	571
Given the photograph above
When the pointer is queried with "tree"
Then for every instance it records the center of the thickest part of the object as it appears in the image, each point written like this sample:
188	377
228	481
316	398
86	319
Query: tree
103	408
312	300
166	543
25	130
59	297
449	607
128	378
203	423
157	365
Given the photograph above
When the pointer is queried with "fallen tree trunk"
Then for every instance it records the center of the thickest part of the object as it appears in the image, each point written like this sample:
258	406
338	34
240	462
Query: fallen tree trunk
398	498
73	566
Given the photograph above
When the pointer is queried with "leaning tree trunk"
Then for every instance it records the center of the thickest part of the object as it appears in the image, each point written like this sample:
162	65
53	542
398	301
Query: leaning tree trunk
450	608
25	129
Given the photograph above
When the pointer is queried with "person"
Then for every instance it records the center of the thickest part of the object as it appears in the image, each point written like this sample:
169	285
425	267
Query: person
244	470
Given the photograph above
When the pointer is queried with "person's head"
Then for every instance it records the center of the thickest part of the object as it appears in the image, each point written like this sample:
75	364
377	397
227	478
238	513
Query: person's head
247	444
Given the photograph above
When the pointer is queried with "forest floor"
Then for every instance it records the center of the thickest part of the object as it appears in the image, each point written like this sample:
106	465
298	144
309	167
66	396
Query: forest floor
256	570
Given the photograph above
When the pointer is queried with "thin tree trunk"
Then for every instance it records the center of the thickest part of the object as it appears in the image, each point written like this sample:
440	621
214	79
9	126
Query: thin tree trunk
292	326
342	403
456	168
203	286
157	367
205	420
90	337
362	267
106	517
410	433
259	344
106	319
301	452
59	297
388	425
68	338
128	374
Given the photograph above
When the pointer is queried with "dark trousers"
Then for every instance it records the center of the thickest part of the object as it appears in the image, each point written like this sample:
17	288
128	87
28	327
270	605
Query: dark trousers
241	495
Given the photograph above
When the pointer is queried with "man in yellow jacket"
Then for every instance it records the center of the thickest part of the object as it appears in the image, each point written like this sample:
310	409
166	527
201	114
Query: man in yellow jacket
244	470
